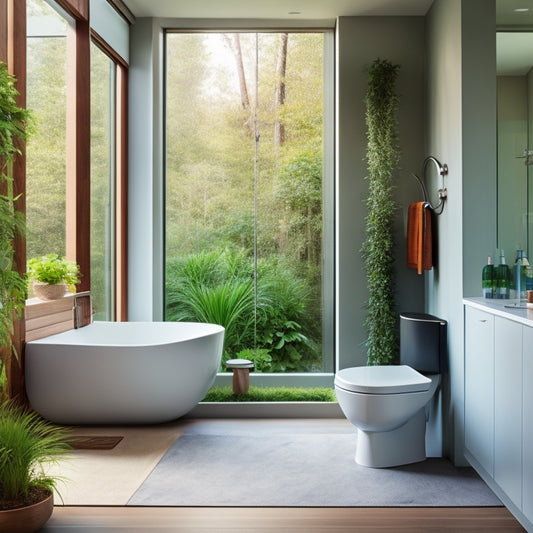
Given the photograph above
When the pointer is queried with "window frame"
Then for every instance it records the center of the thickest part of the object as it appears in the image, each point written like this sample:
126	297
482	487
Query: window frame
121	178
13	53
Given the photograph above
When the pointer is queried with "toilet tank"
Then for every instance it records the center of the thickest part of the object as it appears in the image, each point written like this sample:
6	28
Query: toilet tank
422	342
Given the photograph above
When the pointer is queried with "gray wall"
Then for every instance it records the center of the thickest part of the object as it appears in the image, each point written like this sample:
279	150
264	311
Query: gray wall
145	186
461	131
360	41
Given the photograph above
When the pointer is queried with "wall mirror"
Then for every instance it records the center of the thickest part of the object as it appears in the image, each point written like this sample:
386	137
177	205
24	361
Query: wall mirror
514	62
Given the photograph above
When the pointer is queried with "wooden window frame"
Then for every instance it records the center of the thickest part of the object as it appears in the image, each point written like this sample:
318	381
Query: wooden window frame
13	52
121	185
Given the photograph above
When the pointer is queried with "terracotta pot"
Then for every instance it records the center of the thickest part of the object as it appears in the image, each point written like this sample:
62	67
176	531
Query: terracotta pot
43	291
27	519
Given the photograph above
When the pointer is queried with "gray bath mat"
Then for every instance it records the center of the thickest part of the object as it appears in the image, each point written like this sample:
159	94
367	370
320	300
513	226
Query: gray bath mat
300	471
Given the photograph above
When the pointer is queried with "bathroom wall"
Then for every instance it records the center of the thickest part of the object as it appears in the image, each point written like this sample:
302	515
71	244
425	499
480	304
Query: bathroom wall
360	40
145	187
461	131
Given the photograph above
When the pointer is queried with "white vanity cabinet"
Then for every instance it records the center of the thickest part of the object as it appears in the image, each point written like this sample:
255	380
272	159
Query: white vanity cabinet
508	407
499	401
527	424
479	397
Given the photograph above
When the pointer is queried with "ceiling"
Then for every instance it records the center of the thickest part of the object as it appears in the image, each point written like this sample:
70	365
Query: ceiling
275	9
514	52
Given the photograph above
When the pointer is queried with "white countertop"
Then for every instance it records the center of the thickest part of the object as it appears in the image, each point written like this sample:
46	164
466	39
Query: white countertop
510	309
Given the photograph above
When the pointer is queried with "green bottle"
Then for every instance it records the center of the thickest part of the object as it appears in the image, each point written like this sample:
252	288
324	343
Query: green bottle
488	283
503	278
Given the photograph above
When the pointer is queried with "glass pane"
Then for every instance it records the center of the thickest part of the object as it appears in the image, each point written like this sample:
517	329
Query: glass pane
46	150
103	84
244	192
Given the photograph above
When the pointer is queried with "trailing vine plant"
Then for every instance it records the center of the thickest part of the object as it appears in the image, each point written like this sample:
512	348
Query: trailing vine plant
14	123
382	158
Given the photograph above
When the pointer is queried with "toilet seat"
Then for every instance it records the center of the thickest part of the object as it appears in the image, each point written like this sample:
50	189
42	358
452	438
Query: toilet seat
381	379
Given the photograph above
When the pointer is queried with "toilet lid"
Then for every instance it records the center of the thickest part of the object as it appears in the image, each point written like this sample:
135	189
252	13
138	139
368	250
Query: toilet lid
392	379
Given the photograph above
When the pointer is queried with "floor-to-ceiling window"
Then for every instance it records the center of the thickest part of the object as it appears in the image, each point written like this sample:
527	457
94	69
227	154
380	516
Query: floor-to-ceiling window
103	183
249	193
46	150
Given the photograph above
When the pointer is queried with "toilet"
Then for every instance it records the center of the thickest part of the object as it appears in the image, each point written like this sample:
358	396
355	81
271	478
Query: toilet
387	404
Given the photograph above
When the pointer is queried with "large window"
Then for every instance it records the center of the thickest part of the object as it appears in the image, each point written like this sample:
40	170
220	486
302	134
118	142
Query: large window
103	180
46	150
246	189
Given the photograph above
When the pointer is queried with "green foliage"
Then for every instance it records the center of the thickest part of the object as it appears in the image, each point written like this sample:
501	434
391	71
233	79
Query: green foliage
52	269
378	249
218	287
271	394
260	357
15	124
27	444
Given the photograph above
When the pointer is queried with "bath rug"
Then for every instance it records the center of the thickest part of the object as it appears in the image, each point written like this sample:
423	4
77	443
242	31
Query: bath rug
300	471
94	442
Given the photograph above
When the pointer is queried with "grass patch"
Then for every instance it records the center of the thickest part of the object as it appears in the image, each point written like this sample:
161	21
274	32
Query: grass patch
271	394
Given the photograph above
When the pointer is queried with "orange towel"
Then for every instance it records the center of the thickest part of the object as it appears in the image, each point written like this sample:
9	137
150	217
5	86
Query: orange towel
419	238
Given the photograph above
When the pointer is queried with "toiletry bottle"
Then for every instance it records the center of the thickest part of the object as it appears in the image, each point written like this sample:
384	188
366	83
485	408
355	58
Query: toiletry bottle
487	279
519	282
503	278
528	274
522	275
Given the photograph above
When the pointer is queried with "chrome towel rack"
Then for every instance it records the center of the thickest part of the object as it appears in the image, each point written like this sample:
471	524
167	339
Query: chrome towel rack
442	192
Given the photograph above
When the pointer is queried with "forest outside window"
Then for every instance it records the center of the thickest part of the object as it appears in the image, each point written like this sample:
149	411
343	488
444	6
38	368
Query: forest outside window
247	194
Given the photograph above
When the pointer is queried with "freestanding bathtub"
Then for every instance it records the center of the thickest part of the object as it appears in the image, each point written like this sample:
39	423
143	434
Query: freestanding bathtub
122	372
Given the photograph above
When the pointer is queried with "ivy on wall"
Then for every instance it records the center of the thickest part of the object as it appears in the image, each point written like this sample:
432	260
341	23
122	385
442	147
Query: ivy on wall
382	158
13	131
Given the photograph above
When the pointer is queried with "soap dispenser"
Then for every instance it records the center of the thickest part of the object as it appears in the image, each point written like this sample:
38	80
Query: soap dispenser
502	274
488	285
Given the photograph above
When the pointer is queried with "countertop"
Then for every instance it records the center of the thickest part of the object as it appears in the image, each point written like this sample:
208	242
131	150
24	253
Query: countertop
510	309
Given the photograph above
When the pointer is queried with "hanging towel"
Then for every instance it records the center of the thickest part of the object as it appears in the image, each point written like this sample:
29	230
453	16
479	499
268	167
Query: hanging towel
419	239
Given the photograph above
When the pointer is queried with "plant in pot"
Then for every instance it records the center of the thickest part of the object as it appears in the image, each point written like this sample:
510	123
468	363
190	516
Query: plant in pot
378	248
52	276
28	444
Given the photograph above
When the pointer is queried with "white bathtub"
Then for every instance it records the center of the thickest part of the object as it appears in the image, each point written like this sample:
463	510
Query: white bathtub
122	372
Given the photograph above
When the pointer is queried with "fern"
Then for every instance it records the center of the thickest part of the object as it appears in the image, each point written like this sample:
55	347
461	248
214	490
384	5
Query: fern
378	249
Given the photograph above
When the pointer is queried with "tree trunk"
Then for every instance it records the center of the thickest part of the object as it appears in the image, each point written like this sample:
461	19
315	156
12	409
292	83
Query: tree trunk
234	42
279	100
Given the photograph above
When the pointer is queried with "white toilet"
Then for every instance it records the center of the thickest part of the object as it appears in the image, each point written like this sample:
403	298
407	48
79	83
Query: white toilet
387	403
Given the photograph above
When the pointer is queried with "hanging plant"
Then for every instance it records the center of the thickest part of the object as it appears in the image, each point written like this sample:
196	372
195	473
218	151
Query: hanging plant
382	158
13	130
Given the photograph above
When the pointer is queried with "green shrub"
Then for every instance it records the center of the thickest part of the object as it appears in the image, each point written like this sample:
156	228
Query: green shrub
276	323
52	269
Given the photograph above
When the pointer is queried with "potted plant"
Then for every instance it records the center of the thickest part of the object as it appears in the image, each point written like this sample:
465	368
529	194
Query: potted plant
28	444
14	127
52	275
378	248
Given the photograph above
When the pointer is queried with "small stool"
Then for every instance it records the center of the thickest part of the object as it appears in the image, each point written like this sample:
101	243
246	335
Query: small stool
241	374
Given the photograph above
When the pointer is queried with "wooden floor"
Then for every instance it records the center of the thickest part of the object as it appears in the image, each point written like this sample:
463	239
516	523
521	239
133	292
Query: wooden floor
256	520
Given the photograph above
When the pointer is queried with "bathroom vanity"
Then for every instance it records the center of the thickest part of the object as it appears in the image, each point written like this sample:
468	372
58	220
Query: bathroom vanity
499	400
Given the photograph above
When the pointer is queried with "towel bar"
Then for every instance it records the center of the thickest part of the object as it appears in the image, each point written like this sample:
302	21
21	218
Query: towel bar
443	192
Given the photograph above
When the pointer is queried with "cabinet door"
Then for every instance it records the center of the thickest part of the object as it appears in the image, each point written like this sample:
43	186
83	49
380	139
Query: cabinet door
508	408
479	386
527	436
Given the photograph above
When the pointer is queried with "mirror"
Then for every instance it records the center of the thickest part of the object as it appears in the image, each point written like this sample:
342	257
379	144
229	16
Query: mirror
514	52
